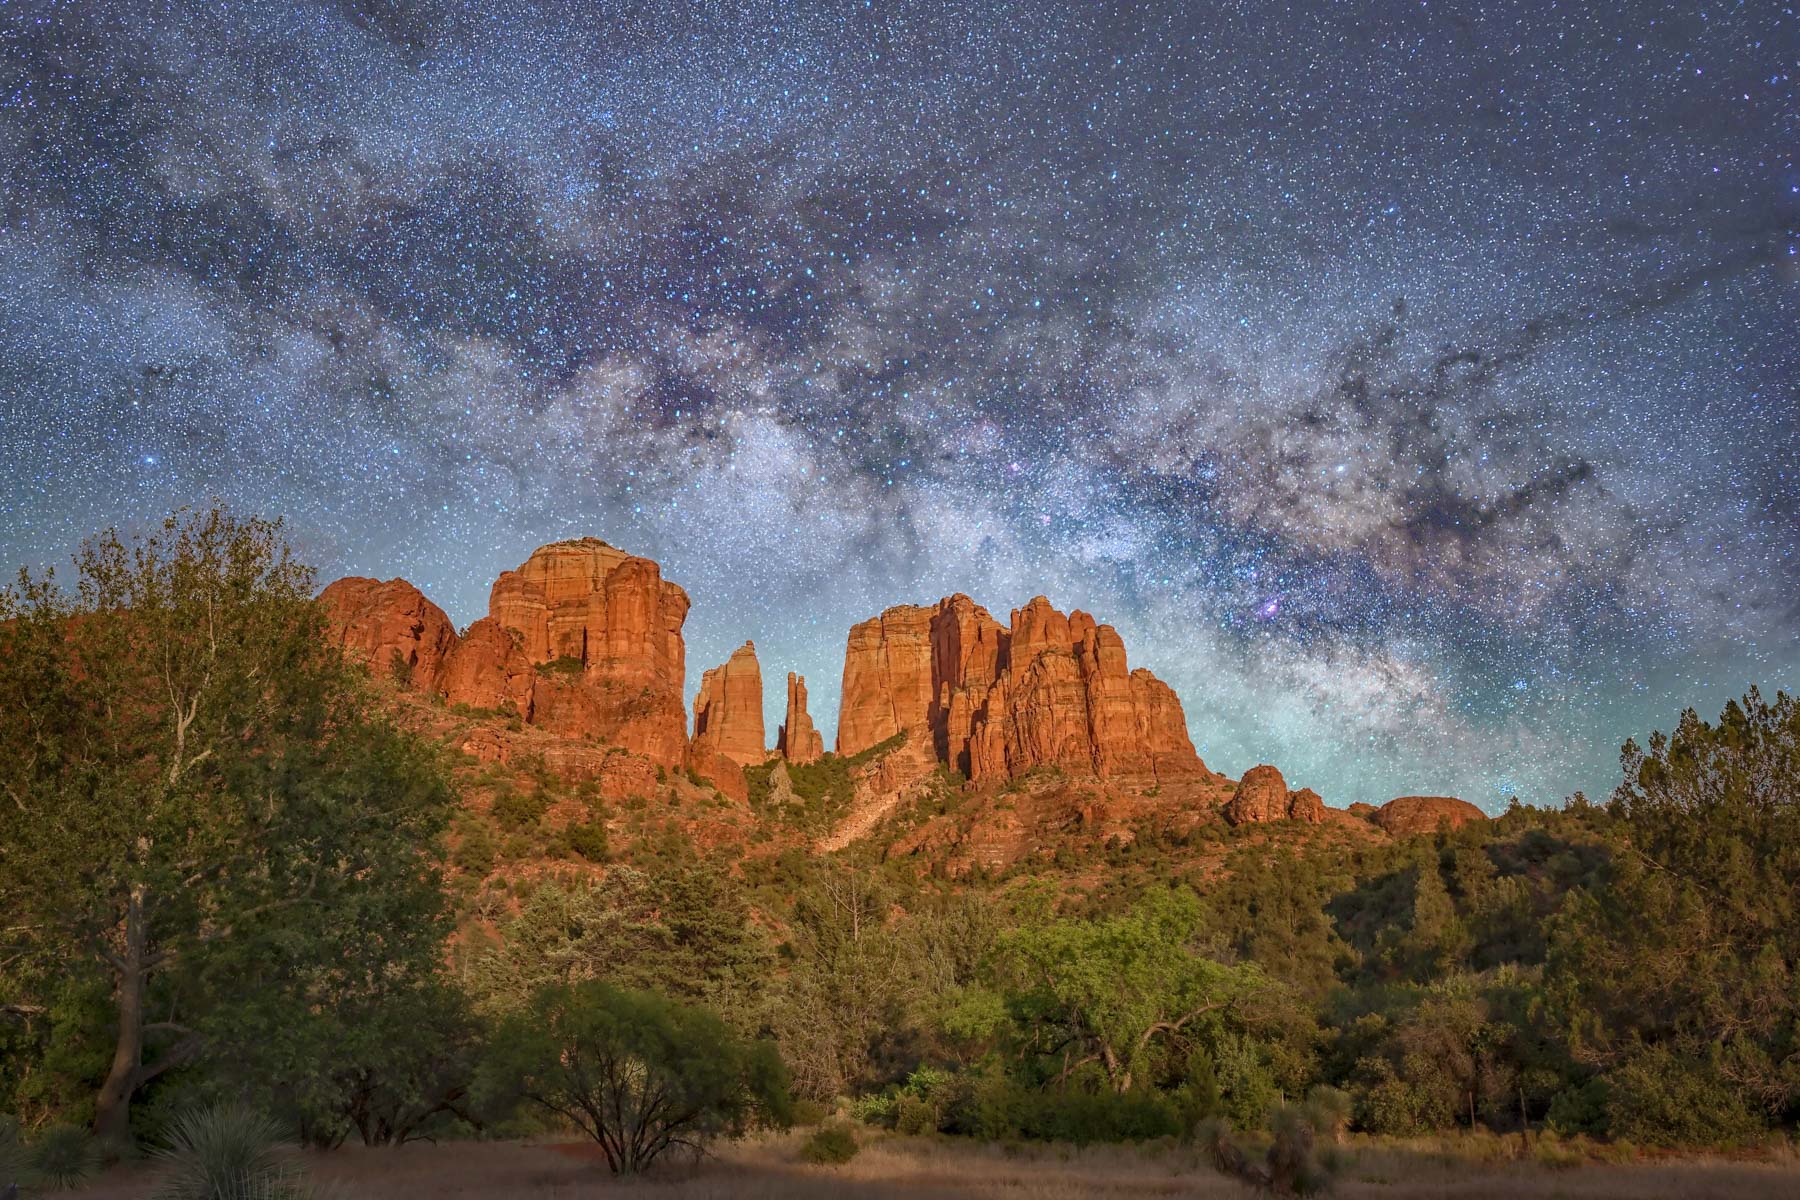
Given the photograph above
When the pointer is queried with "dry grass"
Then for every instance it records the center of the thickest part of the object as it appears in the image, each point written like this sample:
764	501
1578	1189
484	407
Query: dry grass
918	1169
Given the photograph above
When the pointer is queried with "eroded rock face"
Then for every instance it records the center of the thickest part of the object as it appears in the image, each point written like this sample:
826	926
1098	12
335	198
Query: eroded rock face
582	640
728	713
797	740
1423	814
1263	795
391	626
1307	806
998	700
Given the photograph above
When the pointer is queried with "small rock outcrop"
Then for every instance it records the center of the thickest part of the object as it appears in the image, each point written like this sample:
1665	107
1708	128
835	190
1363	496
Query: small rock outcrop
797	740
1424	814
391	626
1263	795
728	713
998	700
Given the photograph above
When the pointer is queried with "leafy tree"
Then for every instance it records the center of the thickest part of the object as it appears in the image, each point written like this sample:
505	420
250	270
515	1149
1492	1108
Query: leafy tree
686	933
640	1074
1111	991
1690	944
196	789
843	998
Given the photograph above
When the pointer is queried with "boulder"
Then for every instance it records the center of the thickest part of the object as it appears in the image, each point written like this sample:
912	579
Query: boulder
1262	795
1424	814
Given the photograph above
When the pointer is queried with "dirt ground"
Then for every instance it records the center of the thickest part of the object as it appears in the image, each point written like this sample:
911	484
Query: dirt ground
916	1168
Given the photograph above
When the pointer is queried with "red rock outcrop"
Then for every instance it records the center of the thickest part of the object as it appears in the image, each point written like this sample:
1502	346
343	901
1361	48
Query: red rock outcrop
389	625
797	740
582	640
1263	795
1306	806
1047	690
728	713
1423	814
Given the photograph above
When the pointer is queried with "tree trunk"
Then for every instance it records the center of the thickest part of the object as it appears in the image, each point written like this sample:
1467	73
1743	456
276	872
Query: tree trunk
112	1109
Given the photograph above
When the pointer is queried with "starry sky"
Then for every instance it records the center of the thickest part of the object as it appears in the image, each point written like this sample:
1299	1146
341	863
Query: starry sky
1415	385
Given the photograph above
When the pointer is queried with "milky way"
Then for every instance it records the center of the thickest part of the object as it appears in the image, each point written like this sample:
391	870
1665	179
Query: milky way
1418	391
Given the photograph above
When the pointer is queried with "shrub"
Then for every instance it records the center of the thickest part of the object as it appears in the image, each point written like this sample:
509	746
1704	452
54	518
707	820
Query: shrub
476	850
226	1152
830	1145
1579	1109
915	1117
810	1112
514	810
1659	1098
62	1156
1289	1167
1327	1110
639	1073
588	839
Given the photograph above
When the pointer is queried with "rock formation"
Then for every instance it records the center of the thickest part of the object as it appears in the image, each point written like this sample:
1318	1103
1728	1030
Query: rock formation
1046	690
1423	814
1263	795
797	740
582	639
391	626
728	713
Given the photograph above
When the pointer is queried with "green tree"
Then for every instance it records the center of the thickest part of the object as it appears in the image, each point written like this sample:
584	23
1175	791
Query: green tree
640	1074
1112	991
200	801
686	933
1688	947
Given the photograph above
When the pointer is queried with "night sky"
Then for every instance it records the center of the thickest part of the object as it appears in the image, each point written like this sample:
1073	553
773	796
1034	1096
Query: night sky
1417	389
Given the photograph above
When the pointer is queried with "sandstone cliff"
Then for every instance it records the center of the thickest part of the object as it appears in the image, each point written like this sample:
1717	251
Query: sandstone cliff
391	626
1045	690
797	740
728	712
582	640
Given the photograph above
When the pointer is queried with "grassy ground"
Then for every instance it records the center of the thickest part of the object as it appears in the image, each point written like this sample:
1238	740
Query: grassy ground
913	1169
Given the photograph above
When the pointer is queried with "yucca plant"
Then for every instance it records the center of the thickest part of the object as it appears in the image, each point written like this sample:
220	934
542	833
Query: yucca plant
62	1156
227	1152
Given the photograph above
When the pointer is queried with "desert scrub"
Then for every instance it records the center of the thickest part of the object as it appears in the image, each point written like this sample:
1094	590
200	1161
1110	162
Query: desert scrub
830	1145
59	1158
227	1152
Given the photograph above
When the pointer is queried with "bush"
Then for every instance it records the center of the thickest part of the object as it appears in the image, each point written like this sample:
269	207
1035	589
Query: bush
830	1145
915	1117
1289	1167
1327	1110
808	1113
1579	1109
514	810
1659	1098
226	1152
639	1073
62	1156
588	839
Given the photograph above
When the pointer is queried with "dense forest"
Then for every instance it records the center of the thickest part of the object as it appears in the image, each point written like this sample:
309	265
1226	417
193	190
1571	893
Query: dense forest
227	880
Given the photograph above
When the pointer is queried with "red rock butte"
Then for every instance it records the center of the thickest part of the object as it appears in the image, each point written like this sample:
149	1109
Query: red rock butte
728	712
582	640
998	700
